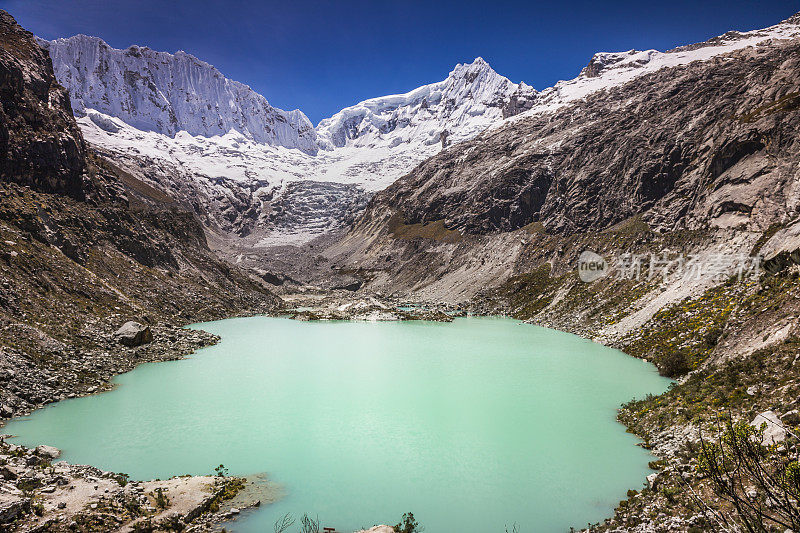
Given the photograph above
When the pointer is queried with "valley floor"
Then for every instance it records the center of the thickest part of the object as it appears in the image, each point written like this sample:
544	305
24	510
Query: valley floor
705	328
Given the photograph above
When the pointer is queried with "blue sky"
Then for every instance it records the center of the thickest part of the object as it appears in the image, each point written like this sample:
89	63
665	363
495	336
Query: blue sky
323	56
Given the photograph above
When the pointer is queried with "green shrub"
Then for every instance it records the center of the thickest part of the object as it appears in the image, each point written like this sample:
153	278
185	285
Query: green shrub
408	525
162	501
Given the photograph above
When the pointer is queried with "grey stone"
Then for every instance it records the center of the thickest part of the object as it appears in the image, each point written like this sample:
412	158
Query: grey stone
48	452
133	334
10	510
774	432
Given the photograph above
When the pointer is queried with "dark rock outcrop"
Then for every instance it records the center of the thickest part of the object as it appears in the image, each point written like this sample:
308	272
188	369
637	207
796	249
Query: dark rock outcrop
40	144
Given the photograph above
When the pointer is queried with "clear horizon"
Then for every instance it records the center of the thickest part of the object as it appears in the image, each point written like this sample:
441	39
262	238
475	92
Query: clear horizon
321	58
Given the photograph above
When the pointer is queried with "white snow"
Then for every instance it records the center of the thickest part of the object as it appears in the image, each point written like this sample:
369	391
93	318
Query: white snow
370	144
168	93
617	68
464	104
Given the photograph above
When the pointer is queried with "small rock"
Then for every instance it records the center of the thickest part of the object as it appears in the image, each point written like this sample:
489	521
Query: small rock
9	473
62	505
11	509
652	479
234	510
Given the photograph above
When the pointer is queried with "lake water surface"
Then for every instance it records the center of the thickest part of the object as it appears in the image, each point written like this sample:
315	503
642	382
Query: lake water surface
471	425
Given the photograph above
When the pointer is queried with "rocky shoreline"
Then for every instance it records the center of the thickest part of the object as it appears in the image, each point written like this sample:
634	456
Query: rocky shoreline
27	387
40	494
340	305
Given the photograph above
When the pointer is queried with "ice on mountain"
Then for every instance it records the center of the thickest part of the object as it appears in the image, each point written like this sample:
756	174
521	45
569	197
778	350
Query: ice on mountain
168	93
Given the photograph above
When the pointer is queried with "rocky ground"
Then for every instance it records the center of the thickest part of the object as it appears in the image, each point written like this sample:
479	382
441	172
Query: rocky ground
85	249
39	493
342	305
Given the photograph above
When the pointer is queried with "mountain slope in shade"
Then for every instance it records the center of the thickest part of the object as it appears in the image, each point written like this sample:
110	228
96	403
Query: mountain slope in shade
40	145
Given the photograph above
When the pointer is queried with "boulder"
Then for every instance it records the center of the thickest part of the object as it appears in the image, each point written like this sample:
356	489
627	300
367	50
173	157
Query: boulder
11	509
774	432
133	334
9	473
47	452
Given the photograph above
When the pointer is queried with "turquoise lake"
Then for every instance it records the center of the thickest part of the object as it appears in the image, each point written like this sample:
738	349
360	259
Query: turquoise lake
472	425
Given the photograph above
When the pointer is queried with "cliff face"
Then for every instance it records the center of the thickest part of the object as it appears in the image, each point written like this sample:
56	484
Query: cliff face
708	146
40	144
711	142
85	247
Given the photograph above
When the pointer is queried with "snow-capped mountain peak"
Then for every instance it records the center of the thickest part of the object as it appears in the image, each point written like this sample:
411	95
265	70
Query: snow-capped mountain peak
611	69
167	93
471	97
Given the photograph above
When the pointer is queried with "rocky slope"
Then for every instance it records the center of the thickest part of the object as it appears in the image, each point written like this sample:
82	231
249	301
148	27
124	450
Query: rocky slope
86	245
84	248
710	144
682	178
39	141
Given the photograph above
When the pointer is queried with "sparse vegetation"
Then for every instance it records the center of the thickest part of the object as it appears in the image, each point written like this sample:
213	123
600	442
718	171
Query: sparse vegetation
408	524
435	230
161	499
760	481
284	523
309	525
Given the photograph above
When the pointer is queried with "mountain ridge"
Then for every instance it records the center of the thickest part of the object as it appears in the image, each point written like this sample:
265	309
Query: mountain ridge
251	188
236	182
168	93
